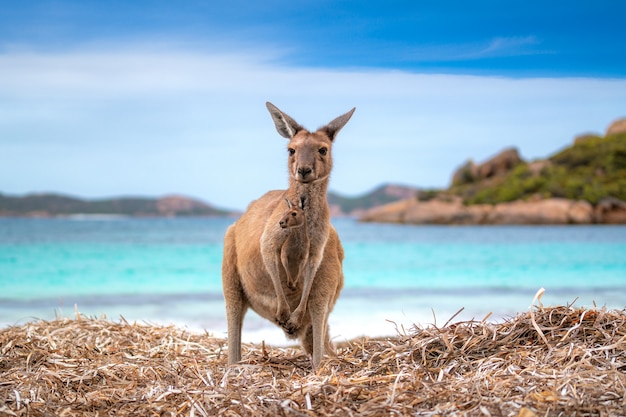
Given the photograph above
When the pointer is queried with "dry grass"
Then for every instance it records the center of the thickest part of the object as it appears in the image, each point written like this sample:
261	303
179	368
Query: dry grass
549	361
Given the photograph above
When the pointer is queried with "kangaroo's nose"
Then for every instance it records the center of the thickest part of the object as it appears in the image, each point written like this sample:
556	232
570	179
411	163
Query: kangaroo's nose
304	171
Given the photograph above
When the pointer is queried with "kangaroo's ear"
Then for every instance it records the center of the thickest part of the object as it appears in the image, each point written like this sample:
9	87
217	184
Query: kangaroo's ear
285	125
332	128
302	201
289	203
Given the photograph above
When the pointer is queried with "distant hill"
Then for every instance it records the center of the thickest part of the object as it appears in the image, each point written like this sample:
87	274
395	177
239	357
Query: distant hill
52	205
591	169
55	205
353	206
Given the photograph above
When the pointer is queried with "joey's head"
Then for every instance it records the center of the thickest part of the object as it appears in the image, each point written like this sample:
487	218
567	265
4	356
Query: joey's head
294	216
309	153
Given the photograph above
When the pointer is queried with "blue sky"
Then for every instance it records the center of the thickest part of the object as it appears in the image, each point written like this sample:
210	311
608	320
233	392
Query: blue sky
149	98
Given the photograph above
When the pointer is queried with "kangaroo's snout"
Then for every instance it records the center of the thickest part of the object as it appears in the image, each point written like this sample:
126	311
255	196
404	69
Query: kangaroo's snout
304	172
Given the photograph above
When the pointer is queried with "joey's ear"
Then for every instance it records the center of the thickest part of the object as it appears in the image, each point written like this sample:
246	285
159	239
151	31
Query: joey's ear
332	128
285	125
289	203
302	201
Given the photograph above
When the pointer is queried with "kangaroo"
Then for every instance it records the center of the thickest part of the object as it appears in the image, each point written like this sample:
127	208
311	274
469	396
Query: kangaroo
295	250
251	279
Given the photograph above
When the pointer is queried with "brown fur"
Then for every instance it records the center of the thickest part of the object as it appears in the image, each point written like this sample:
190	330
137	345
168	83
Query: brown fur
294	252
252	276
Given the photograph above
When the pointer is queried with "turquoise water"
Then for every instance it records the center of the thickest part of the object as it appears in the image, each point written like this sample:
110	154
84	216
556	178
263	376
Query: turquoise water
169	271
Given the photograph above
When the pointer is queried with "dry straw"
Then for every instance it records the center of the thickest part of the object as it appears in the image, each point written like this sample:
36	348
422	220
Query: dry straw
558	361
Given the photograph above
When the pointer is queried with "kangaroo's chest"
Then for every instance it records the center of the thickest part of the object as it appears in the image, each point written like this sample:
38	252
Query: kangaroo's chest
297	245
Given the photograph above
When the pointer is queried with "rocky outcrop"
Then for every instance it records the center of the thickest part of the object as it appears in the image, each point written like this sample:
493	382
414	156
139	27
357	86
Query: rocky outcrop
618	126
453	211
445	212
610	211
389	213
588	170
548	211
498	165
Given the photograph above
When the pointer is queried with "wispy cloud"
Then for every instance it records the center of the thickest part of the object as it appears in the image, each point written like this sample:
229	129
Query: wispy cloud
471	51
510	46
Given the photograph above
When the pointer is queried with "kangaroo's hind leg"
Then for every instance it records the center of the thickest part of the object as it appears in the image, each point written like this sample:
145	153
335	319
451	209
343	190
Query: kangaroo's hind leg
234	297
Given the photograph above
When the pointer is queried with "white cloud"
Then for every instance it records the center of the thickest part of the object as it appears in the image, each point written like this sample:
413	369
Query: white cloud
149	121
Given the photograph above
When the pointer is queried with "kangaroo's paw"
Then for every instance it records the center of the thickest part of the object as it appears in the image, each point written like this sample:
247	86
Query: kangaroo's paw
294	323
282	316
290	328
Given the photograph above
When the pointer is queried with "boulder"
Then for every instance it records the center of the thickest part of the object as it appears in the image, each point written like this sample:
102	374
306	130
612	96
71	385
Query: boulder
445	212
618	126
610	210
581	212
498	165
388	213
548	211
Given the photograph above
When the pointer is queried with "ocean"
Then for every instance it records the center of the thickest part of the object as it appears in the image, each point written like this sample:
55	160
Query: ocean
168	271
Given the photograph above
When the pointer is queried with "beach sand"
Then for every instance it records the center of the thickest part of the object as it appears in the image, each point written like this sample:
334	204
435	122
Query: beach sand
548	361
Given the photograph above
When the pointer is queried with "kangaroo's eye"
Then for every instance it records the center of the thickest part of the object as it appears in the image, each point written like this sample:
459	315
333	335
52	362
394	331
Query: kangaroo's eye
323	151
294	214
291	151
